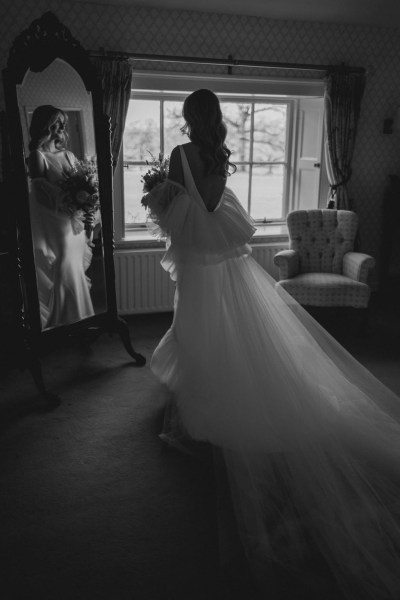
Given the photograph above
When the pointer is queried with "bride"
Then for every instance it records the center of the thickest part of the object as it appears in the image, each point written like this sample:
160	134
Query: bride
309	440
62	253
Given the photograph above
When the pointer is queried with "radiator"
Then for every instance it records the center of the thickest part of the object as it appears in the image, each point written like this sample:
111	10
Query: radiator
142	286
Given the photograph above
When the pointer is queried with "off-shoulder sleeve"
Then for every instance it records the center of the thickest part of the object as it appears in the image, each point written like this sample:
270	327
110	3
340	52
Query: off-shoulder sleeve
193	234
210	237
167	204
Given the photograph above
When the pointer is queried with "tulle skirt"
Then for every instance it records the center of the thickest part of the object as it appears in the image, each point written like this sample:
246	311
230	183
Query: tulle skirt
309	438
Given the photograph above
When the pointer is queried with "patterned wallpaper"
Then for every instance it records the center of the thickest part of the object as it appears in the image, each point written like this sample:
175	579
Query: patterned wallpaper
186	33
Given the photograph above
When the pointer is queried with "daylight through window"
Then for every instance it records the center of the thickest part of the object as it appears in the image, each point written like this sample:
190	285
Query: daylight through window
275	140
257	137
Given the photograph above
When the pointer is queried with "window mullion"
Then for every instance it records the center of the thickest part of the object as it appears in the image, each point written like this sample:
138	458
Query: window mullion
162	125
251	157
289	156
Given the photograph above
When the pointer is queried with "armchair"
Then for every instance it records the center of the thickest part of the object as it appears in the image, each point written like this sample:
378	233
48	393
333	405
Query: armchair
320	268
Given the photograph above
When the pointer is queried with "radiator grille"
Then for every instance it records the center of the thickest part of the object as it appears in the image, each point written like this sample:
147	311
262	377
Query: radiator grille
142	286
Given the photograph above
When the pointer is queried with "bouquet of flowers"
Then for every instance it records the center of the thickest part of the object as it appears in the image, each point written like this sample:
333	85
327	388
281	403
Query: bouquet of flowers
81	201
155	175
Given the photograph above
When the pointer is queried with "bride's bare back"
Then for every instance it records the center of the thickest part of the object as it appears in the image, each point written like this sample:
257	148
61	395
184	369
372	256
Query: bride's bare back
210	187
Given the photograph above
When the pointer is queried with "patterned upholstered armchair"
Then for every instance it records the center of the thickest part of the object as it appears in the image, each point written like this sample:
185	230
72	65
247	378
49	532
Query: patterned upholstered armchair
320	268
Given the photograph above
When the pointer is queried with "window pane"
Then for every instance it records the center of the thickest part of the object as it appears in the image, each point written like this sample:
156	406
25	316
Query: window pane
267	192
133	192
269	132
142	130
239	184
237	117
173	121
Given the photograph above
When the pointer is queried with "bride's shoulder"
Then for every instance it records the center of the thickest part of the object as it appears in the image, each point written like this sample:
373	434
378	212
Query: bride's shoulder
191	150
36	163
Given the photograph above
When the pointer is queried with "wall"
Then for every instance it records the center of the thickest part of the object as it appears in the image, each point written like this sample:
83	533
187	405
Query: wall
192	33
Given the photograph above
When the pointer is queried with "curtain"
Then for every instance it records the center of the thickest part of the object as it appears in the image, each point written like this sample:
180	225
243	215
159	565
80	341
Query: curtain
115	77
343	93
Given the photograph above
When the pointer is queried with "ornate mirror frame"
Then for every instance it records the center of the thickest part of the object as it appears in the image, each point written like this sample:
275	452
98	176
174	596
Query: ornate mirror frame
35	49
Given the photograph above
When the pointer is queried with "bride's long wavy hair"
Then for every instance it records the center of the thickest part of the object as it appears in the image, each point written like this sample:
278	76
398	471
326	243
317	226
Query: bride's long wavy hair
42	124
205	127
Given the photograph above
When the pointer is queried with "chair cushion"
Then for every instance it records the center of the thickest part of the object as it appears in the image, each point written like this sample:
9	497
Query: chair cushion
326	289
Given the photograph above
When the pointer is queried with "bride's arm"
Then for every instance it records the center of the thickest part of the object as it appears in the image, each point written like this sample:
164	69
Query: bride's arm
175	172
42	190
36	164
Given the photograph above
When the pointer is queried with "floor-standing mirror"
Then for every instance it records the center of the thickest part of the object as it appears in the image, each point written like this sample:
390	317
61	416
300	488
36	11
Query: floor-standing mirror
60	190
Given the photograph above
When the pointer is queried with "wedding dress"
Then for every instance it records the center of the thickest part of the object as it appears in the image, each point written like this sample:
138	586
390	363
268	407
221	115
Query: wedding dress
310	439
62	254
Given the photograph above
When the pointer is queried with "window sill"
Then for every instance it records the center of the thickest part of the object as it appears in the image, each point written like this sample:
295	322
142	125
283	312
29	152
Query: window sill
141	238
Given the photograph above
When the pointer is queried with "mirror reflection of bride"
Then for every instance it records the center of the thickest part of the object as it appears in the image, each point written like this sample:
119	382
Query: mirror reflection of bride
62	251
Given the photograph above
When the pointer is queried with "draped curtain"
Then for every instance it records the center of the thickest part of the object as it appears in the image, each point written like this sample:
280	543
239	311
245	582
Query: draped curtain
115	77
343	93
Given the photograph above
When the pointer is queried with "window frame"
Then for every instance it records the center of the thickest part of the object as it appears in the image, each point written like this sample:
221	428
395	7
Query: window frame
152	84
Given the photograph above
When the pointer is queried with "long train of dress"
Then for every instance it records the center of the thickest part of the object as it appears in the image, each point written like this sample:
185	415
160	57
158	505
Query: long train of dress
310	439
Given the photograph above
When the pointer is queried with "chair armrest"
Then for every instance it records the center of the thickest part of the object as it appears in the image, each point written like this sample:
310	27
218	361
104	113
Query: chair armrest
288	263
357	265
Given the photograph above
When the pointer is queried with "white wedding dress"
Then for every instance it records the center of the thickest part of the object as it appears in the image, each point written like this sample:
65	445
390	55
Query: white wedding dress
62	253
310	439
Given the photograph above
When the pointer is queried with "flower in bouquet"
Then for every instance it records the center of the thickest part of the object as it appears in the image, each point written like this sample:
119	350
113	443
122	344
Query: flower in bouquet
81	200
157	173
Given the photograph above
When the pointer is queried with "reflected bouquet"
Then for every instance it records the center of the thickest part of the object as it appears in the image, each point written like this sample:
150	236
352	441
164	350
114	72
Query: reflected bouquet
81	200
157	173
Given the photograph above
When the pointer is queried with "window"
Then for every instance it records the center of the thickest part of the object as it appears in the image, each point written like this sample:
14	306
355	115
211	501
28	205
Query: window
275	139
152	126
257	137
